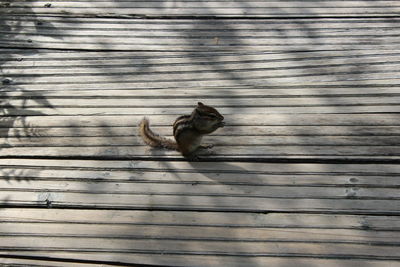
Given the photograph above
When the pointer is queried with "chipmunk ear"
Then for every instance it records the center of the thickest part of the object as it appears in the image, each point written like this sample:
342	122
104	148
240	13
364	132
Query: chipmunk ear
200	104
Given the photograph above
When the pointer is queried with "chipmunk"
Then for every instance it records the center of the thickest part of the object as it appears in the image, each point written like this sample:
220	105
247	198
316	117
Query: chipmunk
188	131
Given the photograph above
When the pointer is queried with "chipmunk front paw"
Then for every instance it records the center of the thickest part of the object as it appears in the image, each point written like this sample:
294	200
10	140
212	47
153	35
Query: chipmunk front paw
206	146
193	157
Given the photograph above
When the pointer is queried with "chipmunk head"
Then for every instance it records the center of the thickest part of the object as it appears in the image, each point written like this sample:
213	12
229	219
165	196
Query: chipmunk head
207	119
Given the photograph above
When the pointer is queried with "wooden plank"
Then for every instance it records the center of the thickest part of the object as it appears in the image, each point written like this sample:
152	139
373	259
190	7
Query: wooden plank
260	153
330	103
132	23
387	75
297	136
249	140
196	237
178	103
133	28
348	180
292	147
254	70
244	186
270	131
388	80
177	188
227	221
226	111
30	92
199	203
269	75
197	233
210	8
216	248
53	27
29	34
25	261
24	58
50	24
159	179
209	260
180	66
110	44
37	120
206	167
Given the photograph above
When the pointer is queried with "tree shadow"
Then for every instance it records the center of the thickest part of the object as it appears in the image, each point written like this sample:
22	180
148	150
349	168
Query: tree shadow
16	101
16	114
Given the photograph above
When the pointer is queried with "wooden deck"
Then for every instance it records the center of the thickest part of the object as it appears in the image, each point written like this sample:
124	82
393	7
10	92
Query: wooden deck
306	172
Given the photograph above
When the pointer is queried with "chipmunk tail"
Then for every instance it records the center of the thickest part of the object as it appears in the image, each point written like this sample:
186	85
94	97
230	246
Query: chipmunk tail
154	140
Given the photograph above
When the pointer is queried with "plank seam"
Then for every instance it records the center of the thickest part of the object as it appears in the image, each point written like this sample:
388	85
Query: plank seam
207	253
208	17
49	205
332	160
76	261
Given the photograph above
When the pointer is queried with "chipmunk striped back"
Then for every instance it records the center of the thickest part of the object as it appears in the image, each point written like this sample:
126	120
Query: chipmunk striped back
181	123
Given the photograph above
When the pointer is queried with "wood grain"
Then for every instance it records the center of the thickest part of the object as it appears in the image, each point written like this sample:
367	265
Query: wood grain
211	8
192	35
302	83
201	186
196	237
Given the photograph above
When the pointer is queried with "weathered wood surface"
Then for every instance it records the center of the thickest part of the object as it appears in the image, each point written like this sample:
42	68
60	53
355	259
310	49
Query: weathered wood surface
242	8
277	105
202	239
201	186
180	235
299	82
199	35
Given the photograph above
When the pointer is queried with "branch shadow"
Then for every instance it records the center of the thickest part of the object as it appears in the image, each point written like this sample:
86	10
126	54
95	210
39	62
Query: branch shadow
17	103
15	114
